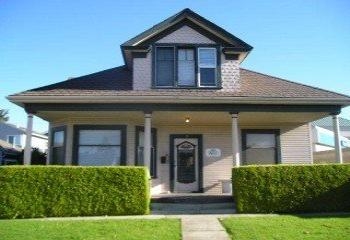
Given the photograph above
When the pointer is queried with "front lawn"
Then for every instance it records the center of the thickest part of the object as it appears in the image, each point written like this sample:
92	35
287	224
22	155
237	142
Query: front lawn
166	229
288	227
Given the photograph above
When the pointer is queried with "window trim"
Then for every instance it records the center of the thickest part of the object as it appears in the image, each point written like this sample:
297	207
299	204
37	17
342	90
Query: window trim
52	134
14	140
199	67
123	141
276	132
139	129
195	47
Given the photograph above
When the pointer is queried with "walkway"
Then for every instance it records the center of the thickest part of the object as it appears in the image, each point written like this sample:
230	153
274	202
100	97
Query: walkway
199	213
202	227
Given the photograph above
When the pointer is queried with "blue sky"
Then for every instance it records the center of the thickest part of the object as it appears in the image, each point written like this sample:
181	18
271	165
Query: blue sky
42	42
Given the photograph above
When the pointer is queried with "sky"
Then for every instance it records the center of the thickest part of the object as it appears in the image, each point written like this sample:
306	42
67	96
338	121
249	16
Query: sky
43	42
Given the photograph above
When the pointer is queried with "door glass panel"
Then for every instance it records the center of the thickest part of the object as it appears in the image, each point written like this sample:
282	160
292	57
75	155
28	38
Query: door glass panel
186	164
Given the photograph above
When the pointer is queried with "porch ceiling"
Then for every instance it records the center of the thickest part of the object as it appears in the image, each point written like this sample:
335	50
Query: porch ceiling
178	117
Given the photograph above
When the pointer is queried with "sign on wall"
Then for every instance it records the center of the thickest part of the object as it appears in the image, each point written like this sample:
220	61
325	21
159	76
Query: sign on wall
213	152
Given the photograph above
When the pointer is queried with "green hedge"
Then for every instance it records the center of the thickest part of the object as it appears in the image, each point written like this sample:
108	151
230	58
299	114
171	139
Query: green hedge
290	188
59	191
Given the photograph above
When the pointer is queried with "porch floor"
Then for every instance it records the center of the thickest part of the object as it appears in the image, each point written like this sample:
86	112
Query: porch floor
192	203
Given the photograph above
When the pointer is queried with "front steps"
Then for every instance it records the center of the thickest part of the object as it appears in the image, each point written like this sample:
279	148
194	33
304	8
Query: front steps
174	204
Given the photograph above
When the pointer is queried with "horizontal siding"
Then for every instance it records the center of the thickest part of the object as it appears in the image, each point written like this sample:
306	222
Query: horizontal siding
295	148
296	145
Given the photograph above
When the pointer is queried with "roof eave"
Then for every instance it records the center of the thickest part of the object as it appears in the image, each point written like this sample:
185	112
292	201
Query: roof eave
21	100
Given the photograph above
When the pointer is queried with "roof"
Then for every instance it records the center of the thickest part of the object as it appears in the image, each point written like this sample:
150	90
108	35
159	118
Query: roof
118	78
7	146
327	123
118	82
184	14
12	129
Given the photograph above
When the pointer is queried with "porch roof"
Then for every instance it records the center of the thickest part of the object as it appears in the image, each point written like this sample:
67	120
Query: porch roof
115	84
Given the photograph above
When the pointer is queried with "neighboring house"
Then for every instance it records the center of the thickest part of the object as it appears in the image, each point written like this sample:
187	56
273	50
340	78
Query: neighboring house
323	134
9	154
16	136
182	106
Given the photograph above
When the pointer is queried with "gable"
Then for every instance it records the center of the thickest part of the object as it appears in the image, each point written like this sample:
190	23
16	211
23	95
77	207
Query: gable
185	34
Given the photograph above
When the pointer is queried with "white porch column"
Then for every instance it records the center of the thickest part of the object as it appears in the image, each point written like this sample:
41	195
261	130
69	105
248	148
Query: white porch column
235	140
28	148
147	141
337	145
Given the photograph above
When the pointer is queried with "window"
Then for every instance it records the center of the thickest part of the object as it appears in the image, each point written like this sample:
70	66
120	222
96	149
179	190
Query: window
14	140
100	145
186	67
58	146
207	67
139	149
165	58
176	66
260	147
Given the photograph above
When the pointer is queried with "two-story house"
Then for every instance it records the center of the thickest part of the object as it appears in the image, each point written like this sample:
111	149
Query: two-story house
16	136
182	106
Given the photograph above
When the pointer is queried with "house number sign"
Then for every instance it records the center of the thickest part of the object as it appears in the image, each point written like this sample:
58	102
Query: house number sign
213	152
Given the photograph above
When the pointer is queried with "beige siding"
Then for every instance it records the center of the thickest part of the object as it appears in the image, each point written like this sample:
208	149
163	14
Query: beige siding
229	74
187	35
142	73
295	145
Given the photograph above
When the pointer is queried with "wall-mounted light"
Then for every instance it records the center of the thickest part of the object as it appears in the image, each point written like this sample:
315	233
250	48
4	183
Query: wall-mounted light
187	120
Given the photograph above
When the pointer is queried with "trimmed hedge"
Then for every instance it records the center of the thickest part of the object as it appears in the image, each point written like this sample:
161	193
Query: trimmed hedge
62	191
291	188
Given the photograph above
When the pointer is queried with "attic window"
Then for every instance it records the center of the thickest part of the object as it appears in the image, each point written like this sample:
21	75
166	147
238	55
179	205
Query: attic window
185	67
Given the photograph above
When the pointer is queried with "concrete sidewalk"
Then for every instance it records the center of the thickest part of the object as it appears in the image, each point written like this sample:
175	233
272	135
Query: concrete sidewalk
194	227
198	227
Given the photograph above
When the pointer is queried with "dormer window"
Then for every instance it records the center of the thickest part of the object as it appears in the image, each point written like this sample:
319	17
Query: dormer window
207	67
185	67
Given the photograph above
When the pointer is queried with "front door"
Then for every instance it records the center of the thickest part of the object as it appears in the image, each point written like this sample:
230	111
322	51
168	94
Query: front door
186	166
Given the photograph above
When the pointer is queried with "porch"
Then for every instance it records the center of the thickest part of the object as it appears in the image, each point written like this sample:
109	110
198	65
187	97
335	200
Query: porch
153	138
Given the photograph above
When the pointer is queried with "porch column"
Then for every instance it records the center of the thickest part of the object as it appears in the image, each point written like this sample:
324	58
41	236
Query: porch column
28	147
147	141
337	145
235	140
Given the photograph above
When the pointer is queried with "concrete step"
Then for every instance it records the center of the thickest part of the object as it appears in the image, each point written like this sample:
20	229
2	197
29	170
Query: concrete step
180	208
191	198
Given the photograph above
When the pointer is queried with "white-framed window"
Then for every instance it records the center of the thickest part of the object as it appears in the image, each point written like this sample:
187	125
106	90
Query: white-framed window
14	140
207	67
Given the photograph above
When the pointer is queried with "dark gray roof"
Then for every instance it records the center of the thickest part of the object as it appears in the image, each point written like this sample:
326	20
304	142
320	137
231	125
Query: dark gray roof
118	78
327	123
185	13
118	82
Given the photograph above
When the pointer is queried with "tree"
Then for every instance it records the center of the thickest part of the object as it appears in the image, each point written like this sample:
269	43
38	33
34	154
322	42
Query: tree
4	115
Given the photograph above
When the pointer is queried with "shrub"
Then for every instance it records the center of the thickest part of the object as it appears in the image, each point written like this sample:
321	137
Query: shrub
61	191
290	188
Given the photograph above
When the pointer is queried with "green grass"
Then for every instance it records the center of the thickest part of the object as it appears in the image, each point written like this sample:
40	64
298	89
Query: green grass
166	229
289	227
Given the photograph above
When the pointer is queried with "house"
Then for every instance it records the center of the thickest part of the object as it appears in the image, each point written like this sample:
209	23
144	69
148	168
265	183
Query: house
323	140
16	136
9	154
323	134
182	106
